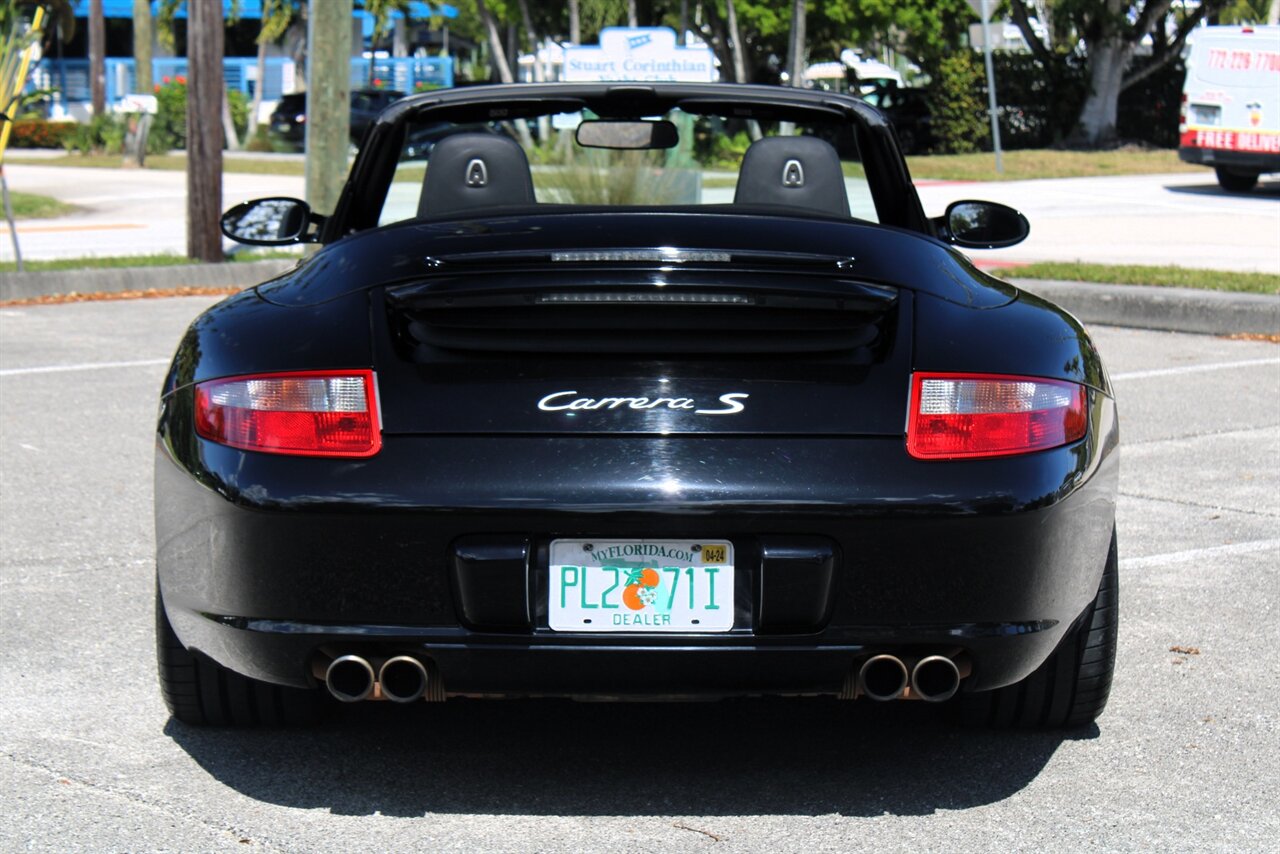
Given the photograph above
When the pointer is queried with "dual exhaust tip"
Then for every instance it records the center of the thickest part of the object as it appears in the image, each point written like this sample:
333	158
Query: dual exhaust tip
403	679
351	678
934	678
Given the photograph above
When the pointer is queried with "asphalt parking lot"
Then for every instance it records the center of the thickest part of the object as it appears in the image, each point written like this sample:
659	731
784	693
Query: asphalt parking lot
1186	757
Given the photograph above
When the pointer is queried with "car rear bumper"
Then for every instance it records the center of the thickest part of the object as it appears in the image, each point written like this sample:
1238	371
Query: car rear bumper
1245	161
438	547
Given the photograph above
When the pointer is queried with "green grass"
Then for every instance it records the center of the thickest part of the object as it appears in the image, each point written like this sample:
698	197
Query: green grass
1044	163
31	206
166	162
1133	274
133	261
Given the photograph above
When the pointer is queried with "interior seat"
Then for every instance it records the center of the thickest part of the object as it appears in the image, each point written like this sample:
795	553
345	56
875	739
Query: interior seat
473	171
795	171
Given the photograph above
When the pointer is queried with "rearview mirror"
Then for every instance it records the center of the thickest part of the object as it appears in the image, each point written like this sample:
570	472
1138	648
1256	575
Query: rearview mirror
627	134
268	222
982	225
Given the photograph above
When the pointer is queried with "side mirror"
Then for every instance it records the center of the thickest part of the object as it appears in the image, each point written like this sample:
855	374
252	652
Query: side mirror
269	222
982	225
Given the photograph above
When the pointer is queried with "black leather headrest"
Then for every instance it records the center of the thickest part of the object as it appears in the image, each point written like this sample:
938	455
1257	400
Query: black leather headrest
469	171
796	171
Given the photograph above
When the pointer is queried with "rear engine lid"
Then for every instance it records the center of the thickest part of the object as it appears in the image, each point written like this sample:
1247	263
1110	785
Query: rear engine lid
643	350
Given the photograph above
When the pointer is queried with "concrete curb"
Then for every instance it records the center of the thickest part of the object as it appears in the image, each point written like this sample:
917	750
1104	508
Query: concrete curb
1171	309
115	280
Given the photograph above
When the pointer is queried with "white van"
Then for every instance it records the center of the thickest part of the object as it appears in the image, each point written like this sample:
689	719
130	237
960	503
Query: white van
1231	104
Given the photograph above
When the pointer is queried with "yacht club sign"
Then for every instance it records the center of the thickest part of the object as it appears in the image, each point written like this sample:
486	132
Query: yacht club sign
644	54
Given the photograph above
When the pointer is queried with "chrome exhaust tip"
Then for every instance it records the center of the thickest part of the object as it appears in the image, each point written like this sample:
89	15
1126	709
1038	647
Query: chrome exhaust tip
883	678
935	679
349	678
403	679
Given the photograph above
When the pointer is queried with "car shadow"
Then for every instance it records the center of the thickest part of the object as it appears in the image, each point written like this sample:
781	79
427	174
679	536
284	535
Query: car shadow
1265	191
551	757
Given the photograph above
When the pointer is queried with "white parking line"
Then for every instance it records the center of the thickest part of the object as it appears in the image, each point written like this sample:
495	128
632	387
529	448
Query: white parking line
87	366
1193	369
1200	554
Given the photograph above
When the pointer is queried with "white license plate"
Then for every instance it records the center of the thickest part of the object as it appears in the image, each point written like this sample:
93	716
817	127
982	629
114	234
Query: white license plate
641	586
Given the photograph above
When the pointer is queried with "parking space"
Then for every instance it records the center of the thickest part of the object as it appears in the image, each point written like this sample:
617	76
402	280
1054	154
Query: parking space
1184	757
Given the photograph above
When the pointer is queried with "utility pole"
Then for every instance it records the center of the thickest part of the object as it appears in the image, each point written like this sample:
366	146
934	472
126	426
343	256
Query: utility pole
328	101
797	47
204	130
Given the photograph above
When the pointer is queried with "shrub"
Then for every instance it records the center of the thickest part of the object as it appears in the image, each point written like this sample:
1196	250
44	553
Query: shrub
959	117
169	128
261	140
38	133
102	134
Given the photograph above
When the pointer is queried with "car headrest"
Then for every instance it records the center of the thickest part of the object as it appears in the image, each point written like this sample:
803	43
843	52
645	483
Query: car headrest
796	171
468	171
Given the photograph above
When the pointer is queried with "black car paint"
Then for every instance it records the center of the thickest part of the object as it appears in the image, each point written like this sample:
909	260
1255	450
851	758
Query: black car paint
265	560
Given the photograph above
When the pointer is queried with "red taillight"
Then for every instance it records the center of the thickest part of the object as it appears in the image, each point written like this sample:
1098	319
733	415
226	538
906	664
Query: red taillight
313	413
991	415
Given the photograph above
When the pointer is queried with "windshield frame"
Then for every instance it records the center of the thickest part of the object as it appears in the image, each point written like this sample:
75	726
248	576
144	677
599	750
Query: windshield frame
894	196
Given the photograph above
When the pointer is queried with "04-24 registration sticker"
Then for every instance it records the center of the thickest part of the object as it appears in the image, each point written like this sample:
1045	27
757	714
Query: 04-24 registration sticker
641	586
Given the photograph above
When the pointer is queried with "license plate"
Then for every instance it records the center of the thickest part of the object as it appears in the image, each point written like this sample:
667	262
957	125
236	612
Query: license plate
641	586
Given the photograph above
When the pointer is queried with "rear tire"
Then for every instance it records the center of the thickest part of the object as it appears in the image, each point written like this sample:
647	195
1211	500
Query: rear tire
201	692
1236	182
1069	690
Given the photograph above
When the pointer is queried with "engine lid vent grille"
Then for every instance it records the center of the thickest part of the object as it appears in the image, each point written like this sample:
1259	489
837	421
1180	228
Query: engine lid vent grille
643	319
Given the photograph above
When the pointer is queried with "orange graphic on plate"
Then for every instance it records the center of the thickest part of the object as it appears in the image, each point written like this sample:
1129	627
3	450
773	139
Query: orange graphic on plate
641	590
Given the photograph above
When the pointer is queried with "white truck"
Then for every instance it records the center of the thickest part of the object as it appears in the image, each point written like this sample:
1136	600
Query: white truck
1231	104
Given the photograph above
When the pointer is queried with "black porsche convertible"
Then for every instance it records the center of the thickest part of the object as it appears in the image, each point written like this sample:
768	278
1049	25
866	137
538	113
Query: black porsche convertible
635	391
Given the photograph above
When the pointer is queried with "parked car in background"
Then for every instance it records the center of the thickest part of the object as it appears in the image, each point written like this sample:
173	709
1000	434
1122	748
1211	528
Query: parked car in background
909	111
1231	104
289	119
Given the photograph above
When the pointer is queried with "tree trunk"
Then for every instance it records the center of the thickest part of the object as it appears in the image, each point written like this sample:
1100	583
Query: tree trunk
97	58
255	106
504	67
739	64
735	43
495	43
539	73
142	36
632	18
1097	125
229	124
328	102
575	23
205	93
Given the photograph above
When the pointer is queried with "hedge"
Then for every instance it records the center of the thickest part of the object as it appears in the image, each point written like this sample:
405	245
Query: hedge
38	133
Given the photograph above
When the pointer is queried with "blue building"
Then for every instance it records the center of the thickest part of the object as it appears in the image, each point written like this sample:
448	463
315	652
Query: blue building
400	61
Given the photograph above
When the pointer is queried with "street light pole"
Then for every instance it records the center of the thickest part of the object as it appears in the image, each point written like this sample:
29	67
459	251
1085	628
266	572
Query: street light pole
991	83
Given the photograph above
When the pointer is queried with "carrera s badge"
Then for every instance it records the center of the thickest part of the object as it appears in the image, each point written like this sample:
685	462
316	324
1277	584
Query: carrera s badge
565	401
